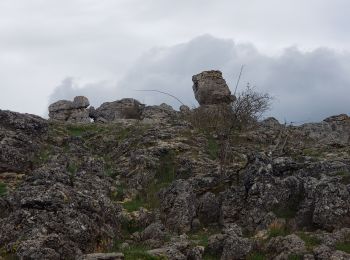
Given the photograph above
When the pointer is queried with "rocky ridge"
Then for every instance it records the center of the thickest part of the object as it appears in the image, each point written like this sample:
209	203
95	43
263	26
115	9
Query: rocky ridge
148	185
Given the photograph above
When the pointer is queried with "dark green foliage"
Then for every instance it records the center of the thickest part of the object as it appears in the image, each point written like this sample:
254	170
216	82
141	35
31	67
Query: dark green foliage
256	256
343	246
278	231
213	147
295	257
345	177
209	256
3	189
310	241
286	213
134	204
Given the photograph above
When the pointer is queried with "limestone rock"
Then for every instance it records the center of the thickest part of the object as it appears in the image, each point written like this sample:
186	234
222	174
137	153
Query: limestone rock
70	111
178	206
127	108
210	88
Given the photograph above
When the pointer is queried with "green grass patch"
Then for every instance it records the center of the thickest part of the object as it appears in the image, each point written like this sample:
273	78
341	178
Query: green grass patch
286	213
345	177
312	152
213	148
209	256
3	189
343	246
79	130
134	204
277	231
201	237
256	256
295	257
164	176
310	241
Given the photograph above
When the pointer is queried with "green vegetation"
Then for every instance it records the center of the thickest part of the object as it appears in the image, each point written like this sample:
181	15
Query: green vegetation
275	231
208	256
43	156
345	177
343	246
310	241
81	129
3	189
213	148
256	256
134	204
312	152
72	169
295	257
286	213
201	237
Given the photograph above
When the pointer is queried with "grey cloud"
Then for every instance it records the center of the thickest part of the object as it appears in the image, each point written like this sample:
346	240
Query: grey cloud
307	86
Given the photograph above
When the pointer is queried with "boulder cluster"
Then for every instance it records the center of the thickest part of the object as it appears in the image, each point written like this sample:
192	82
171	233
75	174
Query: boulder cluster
144	183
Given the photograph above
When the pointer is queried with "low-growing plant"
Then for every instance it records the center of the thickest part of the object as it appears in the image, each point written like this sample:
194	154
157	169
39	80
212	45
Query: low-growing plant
134	204
277	229
295	257
310	241
343	246
3	189
256	256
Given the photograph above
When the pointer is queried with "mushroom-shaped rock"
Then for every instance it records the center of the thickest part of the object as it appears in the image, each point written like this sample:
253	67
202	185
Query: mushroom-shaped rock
210	88
81	102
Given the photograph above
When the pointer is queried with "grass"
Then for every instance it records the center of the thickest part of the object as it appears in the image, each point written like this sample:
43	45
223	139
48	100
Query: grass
3	189
286	213
256	256
134	204
295	257
164	176
276	229
345	177
310	241
213	147
79	130
312	152
343	246
208	256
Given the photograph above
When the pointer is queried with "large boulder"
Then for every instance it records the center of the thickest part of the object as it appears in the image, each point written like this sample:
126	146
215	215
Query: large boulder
71	111
126	108
178	206
20	136
210	88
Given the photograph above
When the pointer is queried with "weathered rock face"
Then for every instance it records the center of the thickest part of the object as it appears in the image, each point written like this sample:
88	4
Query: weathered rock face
20	136
211	89
127	108
178	204
57	217
74	112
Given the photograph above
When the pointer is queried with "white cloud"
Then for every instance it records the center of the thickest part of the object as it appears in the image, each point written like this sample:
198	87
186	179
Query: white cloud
307	86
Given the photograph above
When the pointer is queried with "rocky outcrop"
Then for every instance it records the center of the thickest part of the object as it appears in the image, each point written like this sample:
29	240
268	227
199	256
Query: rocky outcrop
20	140
178	206
70	111
58	215
210	88
127	108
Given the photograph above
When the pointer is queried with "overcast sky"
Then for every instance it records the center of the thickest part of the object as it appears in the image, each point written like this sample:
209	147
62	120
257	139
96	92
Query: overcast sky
296	50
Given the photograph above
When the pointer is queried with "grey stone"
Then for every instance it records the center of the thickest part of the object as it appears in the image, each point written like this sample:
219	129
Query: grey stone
211	89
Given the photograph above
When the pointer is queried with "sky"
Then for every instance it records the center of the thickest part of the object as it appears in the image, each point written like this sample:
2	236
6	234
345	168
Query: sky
297	51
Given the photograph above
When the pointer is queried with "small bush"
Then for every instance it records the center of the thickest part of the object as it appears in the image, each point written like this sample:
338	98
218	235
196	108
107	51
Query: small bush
213	148
3	189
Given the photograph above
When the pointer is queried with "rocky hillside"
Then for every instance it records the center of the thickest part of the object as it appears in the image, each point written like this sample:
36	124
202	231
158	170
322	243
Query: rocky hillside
129	181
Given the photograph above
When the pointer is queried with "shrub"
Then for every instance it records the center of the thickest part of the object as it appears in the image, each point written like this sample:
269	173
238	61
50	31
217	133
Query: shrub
343	246
310	241
256	256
